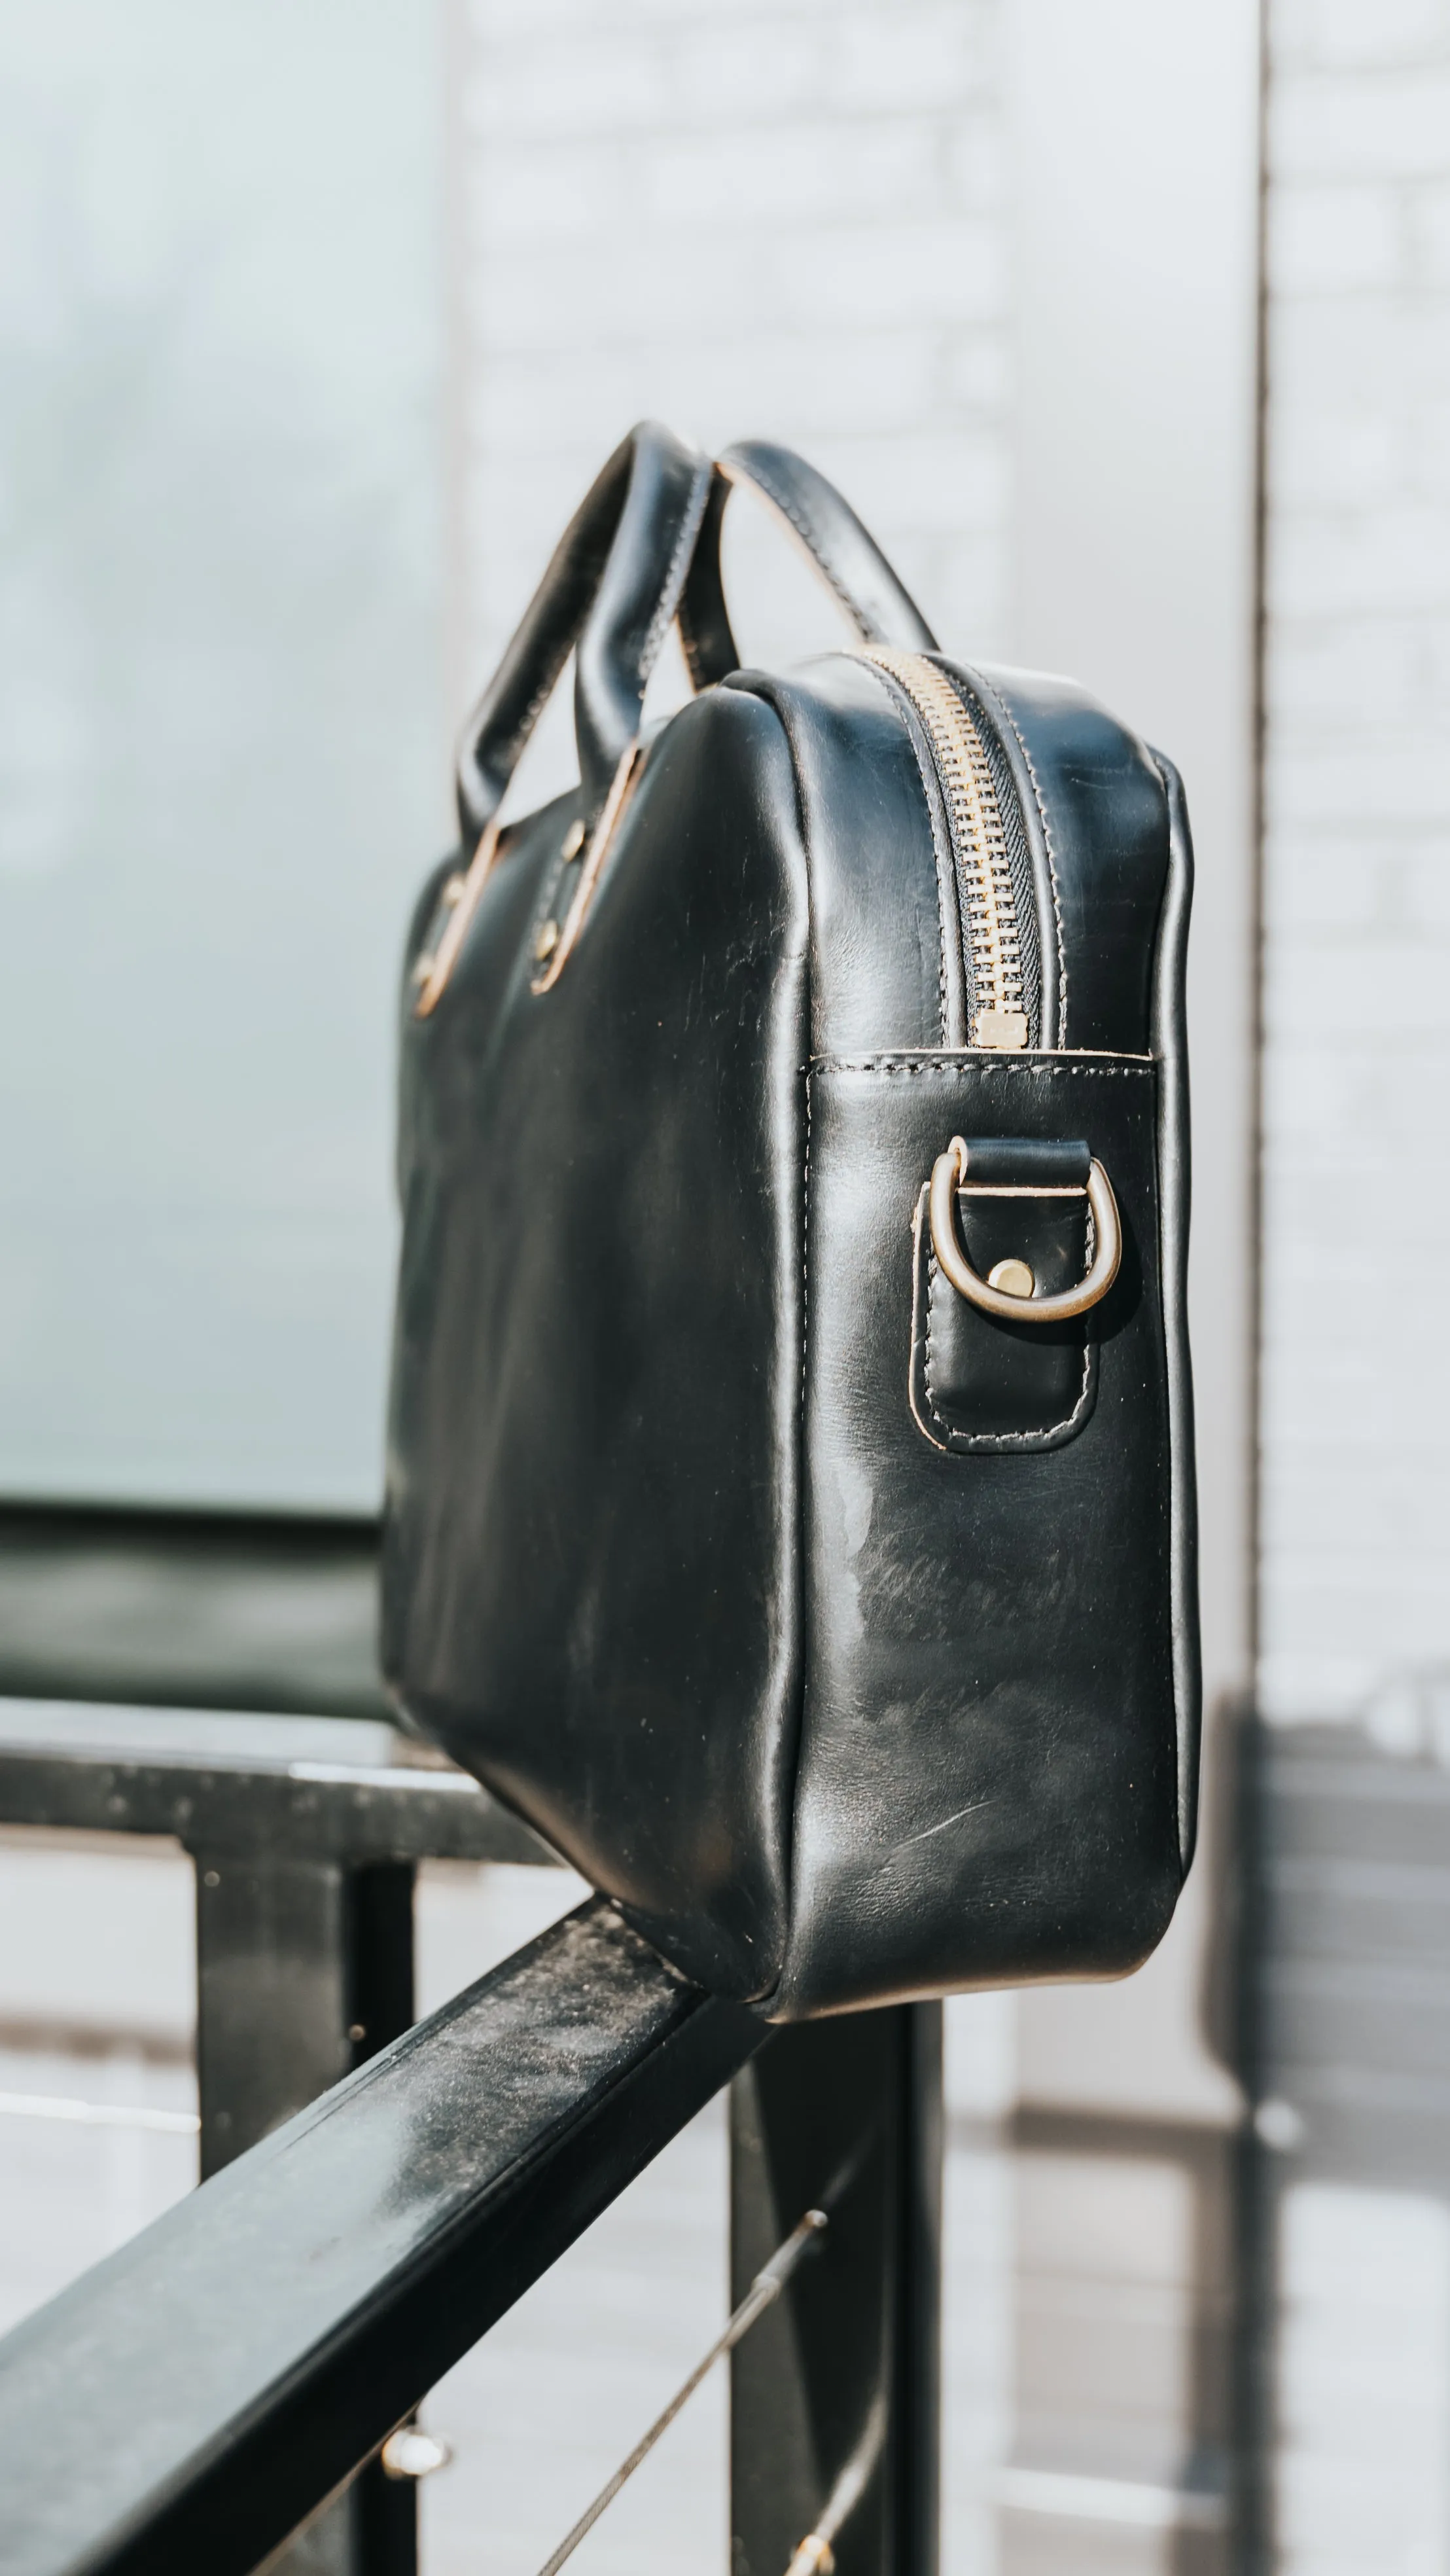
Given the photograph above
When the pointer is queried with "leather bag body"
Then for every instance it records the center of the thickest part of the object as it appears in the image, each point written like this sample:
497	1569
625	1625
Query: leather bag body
839	1626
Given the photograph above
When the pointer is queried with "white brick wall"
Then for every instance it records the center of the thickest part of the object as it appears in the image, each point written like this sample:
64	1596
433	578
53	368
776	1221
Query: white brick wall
795	218
1356	1385
779	219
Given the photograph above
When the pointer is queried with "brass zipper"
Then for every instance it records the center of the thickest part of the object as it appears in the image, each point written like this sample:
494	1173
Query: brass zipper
999	1016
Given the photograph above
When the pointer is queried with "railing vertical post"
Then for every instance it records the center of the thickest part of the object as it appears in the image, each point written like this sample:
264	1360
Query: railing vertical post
304	1970
836	2393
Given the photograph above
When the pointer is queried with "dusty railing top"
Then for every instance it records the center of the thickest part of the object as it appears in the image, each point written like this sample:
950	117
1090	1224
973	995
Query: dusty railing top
190	2401
325	1810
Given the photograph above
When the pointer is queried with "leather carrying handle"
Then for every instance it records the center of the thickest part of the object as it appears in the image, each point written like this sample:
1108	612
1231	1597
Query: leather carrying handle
613	589
840	549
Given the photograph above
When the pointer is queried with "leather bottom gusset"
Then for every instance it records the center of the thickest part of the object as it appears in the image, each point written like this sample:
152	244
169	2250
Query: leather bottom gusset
989	1754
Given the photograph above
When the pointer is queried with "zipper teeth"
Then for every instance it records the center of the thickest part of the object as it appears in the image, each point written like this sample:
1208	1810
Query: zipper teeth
977	828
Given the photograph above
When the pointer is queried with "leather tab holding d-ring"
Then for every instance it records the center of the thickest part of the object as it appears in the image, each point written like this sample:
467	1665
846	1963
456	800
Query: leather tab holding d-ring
1026	1304
1015	1374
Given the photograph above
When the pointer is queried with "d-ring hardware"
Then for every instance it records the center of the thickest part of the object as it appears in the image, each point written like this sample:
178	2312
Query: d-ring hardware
948	1175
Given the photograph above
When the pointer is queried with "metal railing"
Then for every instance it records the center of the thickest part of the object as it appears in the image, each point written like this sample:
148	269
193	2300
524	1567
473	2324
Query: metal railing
376	2193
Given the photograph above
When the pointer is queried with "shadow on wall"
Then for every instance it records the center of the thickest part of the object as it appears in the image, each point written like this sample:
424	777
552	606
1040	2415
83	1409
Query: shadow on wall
1344	2031
1232	2348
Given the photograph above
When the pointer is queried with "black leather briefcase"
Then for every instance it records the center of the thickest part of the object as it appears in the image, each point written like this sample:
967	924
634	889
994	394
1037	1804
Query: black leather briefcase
790	1493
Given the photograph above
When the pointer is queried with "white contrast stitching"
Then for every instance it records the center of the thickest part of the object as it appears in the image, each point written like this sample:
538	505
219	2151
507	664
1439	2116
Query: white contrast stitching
1008	716
669	598
1000	1439
809	540
516	743
1022	1067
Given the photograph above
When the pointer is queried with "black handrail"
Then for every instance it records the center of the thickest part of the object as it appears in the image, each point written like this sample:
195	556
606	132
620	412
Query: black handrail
191	2401
190	1609
219	2376
358	1813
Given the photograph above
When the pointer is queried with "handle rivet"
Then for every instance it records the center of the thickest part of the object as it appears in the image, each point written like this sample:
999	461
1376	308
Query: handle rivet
1012	1277
573	841
547	941
453	889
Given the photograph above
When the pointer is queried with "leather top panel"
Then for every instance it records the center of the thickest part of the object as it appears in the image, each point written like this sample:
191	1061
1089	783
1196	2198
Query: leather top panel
1102	810
885	943
886	950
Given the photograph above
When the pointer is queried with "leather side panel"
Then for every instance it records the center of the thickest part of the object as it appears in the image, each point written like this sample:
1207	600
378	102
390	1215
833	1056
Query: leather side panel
988	1782
592	1535
1170	1045
1099	804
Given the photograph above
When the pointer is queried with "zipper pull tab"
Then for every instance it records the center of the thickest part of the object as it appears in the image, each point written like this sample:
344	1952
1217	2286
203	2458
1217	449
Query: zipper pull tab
1006	1029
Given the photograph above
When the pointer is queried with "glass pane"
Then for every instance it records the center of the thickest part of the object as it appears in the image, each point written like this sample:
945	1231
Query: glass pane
221	728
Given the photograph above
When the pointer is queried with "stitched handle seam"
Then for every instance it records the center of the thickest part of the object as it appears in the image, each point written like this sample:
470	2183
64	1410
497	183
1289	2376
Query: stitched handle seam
864	624
513	747
668	602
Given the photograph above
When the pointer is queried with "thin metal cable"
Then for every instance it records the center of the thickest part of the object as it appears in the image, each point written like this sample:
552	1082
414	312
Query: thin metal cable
764	2290
815	2555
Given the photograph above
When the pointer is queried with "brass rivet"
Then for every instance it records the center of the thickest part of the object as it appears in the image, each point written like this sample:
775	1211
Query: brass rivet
573	839
453	889
547	941
422	968
1013	1278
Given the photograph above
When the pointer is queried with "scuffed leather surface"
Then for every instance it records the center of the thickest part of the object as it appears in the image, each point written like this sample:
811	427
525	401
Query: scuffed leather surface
591	1562
988	1781
883	972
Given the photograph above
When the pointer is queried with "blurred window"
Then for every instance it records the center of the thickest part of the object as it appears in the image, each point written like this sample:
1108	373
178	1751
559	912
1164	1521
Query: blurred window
221	728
